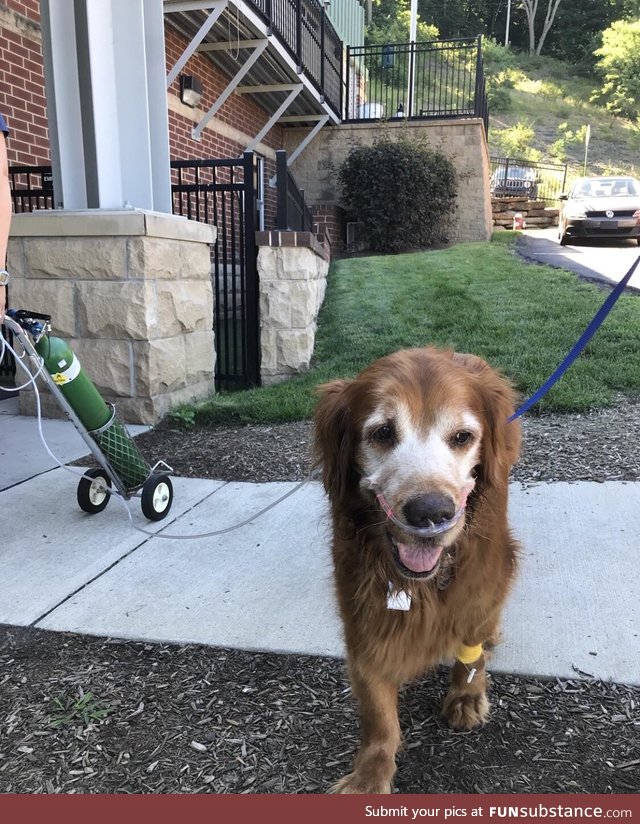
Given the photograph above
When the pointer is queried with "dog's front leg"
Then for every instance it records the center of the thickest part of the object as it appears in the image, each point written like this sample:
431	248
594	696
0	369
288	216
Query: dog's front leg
466	706
375	763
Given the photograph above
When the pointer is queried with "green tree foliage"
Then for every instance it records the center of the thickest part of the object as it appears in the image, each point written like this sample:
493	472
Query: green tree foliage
391	24
573	37
465	18
403	193
515	141
619	66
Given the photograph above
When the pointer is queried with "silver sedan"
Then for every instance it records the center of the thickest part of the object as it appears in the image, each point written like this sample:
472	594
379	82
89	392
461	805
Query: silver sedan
601	207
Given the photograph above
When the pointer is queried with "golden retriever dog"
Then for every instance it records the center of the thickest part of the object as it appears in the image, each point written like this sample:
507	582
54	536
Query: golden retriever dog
415	456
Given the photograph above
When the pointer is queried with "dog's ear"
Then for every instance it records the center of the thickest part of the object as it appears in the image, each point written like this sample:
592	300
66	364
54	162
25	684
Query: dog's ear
334	439
501	440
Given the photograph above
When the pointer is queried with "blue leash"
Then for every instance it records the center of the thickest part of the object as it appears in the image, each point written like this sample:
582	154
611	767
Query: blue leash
584	339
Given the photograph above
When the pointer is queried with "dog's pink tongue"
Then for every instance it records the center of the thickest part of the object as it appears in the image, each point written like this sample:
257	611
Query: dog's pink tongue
418	558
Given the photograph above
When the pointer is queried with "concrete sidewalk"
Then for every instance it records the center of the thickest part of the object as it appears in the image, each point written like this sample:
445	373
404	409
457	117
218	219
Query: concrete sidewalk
267	586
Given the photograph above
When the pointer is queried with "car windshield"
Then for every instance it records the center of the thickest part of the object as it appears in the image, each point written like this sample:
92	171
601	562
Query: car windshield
602	187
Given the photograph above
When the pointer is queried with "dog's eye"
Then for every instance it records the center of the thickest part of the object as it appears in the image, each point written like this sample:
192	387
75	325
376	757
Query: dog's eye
384	434
462	437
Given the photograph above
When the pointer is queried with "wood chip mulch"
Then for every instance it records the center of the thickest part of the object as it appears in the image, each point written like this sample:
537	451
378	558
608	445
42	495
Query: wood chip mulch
592	446
87	715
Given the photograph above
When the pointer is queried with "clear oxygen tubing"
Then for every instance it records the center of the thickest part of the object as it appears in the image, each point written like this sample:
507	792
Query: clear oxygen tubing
5	345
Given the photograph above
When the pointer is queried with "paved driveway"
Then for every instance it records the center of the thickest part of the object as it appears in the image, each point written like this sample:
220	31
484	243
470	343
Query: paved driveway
601	260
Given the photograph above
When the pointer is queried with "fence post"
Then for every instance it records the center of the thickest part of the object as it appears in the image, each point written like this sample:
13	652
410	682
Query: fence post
252	305
282	217
345	83
323	15
477	103
299	35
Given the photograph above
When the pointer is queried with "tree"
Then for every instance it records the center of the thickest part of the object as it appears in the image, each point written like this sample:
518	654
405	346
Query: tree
390	24
574	37
619	65
531	9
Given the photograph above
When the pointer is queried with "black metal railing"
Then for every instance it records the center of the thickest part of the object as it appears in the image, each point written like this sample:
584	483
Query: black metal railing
292	212
443	78
517	177
7	361
224	193
306	31
31	188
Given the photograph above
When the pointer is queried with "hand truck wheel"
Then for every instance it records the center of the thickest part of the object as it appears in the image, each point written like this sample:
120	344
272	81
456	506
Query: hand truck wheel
157	497
92	495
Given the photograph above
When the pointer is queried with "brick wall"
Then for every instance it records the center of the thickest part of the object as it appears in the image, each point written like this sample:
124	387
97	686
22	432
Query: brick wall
329	220
235	124
22	99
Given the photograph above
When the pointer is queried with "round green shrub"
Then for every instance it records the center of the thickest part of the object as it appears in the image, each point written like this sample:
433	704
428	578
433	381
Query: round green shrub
403	193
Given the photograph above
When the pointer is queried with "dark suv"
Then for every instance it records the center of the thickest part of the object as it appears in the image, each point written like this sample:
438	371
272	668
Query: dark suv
515	181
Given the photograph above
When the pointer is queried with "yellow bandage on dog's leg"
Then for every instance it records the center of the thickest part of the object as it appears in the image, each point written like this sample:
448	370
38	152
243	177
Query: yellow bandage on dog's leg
467	655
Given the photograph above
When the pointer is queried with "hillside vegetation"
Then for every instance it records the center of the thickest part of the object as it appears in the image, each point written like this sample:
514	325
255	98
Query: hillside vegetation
540	109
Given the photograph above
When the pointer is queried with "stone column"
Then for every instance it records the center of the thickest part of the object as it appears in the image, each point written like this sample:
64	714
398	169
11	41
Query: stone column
131	292
292	268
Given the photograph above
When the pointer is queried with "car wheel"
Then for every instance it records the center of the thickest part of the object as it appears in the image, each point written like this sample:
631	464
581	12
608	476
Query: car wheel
563	238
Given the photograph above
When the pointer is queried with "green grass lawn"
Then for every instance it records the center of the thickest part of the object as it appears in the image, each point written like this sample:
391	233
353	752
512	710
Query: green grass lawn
475	297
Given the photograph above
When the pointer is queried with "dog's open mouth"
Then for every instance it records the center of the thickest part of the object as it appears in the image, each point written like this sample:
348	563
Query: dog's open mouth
416	560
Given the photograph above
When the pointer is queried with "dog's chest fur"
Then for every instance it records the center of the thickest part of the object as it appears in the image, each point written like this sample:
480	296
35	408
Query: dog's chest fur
406	643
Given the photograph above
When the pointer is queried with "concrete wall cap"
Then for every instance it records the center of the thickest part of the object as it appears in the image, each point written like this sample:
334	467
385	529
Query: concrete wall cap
101	222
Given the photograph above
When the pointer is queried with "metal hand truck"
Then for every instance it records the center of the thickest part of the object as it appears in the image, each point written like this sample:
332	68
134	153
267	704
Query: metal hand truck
123	471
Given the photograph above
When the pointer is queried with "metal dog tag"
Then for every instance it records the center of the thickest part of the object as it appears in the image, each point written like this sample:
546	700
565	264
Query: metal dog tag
398	599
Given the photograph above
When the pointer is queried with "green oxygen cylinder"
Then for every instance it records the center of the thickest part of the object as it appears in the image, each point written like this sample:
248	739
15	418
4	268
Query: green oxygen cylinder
96	416
73	382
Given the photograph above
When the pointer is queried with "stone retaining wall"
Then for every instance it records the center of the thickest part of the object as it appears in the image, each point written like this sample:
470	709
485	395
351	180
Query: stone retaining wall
292	268
534	212
462	141
131	292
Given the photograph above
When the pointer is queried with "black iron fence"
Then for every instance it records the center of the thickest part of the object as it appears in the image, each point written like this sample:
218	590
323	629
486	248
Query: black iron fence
307	32
443	78
292	214
31	188
220	192
516	177
224	193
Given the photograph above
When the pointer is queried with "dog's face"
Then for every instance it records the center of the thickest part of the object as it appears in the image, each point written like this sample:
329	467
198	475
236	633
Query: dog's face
412	436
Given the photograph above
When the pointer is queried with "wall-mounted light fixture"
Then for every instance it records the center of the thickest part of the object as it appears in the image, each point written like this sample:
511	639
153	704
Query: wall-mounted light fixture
190	90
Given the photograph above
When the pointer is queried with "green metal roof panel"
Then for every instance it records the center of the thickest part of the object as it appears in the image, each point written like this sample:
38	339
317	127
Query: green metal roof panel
348	20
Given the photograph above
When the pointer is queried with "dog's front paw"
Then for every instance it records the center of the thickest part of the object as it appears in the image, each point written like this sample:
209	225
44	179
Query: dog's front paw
357	783
465	711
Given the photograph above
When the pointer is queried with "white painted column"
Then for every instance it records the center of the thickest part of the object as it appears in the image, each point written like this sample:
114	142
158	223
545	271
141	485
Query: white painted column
107	57
63	103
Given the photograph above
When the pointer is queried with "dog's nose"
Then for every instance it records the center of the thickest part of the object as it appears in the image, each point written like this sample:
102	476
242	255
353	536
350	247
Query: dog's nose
434	507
